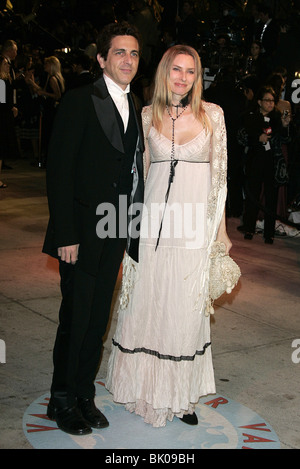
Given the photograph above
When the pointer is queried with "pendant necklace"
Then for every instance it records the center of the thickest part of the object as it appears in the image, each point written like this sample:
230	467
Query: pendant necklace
173	162
174	119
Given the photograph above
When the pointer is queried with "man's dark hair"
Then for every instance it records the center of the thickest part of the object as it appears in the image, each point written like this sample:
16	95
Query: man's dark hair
8	44
265	9
83	60
112	30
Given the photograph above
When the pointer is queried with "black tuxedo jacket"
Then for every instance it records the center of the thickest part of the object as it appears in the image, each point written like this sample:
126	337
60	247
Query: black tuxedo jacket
84	166
271	37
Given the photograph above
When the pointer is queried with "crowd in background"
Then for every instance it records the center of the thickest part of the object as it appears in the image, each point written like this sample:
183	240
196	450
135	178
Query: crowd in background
50	48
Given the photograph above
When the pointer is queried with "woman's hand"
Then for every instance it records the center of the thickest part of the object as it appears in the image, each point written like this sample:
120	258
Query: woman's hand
286	118
222	236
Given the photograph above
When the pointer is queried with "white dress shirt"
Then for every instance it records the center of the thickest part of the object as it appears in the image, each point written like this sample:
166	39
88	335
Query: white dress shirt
263	31
119	97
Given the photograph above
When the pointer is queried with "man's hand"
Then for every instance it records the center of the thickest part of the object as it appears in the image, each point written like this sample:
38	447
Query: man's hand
264	138
15	111
69	254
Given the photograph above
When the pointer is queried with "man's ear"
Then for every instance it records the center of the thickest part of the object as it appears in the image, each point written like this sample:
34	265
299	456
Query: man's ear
101	61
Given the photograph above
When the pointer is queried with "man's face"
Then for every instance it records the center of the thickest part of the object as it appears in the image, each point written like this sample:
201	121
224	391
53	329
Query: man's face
263	17
122	60
186	8
12	52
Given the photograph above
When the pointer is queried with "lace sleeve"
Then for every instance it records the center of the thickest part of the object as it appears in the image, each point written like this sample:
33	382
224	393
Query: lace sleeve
218	163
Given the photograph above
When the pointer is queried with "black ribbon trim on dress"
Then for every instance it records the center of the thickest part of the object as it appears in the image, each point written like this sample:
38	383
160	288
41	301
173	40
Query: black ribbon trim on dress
173	165
184	161
160	355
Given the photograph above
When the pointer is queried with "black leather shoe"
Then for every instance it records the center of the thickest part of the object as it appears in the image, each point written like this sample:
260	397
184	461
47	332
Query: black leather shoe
248	235
91	414
69	420
269	240
51	411
190	419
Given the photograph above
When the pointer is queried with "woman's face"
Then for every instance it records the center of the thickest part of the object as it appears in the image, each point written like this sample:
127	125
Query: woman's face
182	75
255	50
29	64
5	67
267	103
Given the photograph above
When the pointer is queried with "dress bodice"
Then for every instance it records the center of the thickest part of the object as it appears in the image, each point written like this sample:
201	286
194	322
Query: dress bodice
196	150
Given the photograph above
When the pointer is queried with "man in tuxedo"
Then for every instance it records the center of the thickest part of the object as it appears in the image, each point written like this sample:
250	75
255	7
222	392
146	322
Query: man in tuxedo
270	31
82	75
95	156
10	52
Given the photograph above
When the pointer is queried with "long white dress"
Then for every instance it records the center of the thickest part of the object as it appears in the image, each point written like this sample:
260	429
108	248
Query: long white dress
161	361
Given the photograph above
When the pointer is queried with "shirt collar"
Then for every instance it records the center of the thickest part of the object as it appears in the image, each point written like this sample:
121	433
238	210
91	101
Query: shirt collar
115	89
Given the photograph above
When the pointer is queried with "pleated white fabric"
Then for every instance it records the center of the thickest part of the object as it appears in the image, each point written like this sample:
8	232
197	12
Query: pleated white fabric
161	361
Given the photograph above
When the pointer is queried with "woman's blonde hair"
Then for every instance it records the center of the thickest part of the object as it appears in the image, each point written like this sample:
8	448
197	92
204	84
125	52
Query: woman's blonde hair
3	75
162	95
55	70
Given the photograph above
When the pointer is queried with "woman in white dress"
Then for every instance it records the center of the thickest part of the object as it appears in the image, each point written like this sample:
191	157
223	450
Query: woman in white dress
161	362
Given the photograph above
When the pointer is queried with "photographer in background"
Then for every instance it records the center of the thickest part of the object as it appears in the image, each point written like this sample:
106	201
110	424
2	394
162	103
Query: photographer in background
264	128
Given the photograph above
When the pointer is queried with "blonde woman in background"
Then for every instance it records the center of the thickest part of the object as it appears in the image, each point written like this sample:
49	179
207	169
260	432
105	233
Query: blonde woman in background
52	92
55	84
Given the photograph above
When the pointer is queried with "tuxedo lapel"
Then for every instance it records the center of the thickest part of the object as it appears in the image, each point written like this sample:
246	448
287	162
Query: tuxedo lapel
106	114
138	120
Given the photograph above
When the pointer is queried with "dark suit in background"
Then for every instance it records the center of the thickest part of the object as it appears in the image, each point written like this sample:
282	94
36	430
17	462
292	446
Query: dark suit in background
269	38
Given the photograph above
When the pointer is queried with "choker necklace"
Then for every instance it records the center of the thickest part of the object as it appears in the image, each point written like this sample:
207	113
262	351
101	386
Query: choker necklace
173	162
177	106
180	105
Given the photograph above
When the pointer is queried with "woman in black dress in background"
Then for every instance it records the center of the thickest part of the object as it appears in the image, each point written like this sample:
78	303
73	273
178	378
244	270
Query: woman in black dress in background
52	92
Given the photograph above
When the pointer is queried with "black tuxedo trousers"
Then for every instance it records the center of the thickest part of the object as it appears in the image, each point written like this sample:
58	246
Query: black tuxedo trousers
260	174
83	318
